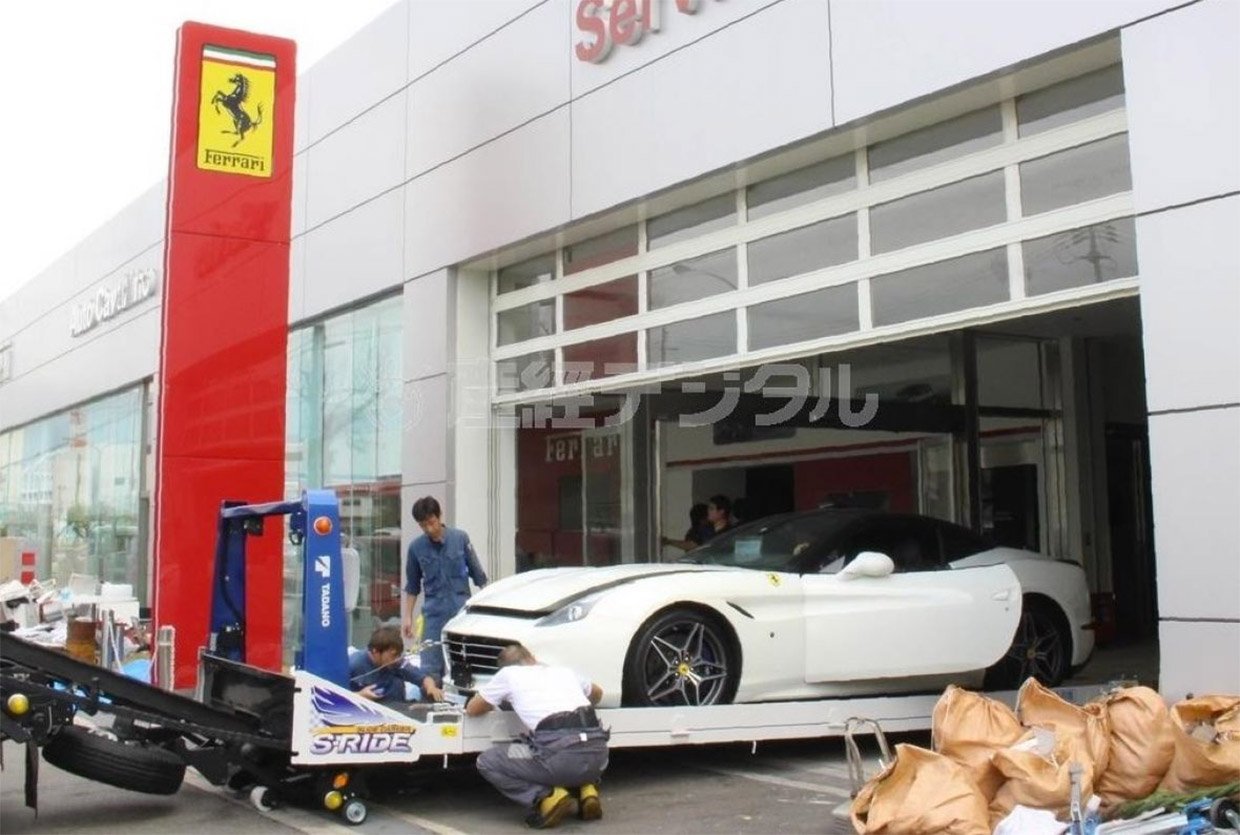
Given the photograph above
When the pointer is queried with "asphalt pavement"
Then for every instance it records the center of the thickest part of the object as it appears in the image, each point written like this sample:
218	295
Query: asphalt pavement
783	787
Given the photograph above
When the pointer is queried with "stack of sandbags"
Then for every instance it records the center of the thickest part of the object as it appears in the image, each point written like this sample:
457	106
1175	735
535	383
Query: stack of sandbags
918	792
1036	770
1206	734
1142	742
969	728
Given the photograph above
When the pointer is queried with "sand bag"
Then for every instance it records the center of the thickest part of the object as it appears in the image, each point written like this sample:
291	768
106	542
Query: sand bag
1142	743
920	792
969	728
1206	731
1085	732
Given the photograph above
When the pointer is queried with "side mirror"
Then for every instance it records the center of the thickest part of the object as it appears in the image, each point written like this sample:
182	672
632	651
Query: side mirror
868	564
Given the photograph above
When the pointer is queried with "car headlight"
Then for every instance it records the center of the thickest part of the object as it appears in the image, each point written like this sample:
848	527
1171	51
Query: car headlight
571	613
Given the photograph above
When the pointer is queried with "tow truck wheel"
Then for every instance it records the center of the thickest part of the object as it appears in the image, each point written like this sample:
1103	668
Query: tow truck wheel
263	798
354	812
139	768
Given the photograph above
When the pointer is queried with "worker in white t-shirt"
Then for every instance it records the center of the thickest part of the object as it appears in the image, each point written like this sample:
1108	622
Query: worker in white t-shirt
565	747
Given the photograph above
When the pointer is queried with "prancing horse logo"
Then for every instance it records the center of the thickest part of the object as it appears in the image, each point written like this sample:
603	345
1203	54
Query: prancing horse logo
232	102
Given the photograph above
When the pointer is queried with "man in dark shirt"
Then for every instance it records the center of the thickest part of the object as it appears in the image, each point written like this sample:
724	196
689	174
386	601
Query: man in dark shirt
439	566
380	671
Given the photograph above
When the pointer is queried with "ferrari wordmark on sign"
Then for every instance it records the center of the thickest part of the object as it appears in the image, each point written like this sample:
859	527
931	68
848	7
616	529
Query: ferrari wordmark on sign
235	111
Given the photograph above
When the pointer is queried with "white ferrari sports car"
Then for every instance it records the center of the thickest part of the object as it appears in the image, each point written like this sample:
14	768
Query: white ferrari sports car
815	604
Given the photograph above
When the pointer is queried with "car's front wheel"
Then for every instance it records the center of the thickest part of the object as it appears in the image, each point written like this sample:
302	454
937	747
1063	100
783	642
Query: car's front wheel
1041	649
681	657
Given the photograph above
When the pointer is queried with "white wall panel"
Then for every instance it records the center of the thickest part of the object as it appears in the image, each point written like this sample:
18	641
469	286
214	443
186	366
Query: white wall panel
297	222
301	112
502	192
744	90
424	450
1195	472
1198	658
52	287
890	51
132	230
511	77
1190	304
676	30
365	69
98	363
1182	81
297	280
355	255
357	162
426	325
439	29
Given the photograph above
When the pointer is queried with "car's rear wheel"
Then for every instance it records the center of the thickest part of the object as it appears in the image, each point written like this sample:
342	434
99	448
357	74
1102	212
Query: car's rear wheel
681	657
1041	649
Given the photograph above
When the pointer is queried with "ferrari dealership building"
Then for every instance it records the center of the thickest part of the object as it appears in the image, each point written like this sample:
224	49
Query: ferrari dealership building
573	266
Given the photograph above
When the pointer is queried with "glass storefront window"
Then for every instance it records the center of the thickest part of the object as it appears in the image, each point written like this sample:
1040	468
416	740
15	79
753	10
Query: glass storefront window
800	187
696	339
525	373
937	143
803	250
70	490
1071	101
693	279
691	221
1075	175
526	322
825	312
526	274
1080	257
601	303
944	287
970	204
344	426
600	250
600	358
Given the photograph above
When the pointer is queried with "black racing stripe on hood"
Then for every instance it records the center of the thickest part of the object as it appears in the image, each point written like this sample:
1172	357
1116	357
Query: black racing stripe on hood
573	598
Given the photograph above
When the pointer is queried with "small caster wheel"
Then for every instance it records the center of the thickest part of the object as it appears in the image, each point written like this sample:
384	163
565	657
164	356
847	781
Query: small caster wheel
1225	813
263	798
354	812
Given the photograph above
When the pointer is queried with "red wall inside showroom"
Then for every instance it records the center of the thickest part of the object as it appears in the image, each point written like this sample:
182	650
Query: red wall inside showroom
223	362
889	473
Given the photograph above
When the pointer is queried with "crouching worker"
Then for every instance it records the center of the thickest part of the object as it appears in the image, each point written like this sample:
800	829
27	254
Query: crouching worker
380	671
565	748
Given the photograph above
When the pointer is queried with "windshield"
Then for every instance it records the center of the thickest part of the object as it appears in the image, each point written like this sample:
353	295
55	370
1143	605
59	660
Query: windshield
771	544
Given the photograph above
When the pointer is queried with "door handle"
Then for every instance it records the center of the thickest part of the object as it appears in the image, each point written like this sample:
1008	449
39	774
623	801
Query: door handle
1005	594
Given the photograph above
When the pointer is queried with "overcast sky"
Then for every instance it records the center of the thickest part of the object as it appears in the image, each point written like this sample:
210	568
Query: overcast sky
87	99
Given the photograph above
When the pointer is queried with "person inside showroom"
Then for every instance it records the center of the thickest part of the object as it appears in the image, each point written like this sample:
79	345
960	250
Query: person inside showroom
564	747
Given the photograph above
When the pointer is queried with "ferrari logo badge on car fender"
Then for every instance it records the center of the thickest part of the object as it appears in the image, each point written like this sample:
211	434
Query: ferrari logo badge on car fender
773	579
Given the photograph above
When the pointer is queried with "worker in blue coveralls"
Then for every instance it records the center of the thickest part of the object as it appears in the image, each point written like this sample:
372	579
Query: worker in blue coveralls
439	565
380	671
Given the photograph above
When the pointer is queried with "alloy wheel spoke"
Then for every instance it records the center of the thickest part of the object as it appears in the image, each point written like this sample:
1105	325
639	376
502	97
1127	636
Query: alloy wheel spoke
668	653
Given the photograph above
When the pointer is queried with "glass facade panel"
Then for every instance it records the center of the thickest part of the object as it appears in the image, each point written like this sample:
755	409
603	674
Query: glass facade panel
970	204
692	221
601	303
70	490
525	322
937	143
696	339
1071	101
803	250
957	284
825	312
805	185
696	278
345	417
1009	373
526	274
1075	175
600	250
600	358
525	373
1079	257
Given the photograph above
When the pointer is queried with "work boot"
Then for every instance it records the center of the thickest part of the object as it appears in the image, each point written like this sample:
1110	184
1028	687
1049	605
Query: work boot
589	807
550	810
